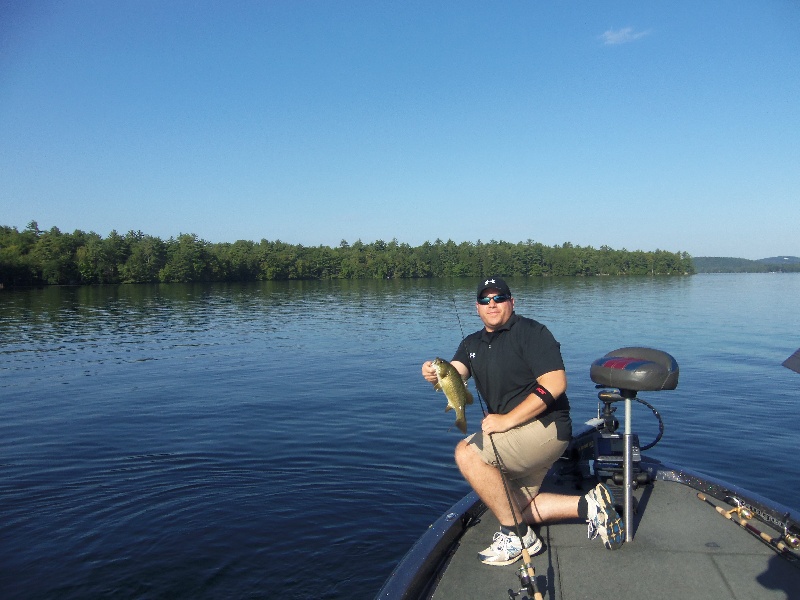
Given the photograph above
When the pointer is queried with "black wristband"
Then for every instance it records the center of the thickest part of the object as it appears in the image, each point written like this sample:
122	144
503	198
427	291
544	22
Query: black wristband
545	395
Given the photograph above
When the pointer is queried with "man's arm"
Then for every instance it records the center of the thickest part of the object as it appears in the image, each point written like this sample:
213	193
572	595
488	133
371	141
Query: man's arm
554	384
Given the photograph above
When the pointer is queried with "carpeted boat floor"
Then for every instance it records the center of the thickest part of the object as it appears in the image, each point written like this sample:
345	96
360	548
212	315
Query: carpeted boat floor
682	549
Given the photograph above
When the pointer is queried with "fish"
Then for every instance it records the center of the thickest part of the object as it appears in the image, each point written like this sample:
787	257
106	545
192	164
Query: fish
455	390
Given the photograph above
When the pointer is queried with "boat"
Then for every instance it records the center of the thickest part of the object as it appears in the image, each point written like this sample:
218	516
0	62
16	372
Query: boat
688	535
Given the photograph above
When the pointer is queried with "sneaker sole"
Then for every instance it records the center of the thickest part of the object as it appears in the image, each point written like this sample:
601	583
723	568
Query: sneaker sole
614	527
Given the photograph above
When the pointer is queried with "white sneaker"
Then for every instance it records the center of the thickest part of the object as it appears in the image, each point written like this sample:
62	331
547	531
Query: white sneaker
603	518
507	549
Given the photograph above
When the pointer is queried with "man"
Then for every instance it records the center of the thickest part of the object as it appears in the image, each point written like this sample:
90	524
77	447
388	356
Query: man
519	372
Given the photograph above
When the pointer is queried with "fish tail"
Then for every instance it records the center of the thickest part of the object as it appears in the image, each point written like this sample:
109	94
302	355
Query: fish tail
461	423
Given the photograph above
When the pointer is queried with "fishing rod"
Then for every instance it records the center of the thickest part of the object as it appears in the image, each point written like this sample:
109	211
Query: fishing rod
783	546
527	574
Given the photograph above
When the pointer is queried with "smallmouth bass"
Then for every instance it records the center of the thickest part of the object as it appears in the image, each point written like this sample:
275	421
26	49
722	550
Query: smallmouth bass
455	390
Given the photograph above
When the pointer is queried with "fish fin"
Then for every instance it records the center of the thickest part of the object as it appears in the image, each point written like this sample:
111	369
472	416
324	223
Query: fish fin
469	399
448	407
437	387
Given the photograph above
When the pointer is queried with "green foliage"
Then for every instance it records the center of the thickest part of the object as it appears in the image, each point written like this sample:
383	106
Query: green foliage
35	257
147	256
716	264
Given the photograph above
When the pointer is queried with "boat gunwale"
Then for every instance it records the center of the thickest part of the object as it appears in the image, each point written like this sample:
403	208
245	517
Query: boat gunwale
416	572
766	510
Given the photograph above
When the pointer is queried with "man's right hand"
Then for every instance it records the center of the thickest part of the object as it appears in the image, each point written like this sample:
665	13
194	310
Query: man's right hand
429	372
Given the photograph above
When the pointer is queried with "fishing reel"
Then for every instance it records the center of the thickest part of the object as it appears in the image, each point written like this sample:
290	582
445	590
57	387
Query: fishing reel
528	589
739	509
792	540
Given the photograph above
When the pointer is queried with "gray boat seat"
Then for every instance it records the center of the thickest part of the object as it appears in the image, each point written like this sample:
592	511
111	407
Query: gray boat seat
636	370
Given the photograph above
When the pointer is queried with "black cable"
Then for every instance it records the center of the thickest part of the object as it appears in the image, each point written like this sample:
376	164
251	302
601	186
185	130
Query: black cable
660	426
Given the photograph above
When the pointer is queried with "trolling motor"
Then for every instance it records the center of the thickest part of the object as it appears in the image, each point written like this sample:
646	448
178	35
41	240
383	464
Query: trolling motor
605	461
621	374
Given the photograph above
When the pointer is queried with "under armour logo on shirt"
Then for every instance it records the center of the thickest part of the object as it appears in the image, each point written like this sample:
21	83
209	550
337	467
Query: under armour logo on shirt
472	355
488	281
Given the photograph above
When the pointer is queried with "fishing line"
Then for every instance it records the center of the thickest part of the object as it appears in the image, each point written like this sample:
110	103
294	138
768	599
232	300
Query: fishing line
484	407
530	580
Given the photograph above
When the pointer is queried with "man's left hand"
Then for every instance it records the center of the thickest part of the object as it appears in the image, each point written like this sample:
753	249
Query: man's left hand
495	424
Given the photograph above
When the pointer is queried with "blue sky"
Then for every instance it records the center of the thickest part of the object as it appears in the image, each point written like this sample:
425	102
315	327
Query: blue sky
638	125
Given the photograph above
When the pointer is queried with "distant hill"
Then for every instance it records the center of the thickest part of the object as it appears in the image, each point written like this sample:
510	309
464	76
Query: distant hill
720	264
780	260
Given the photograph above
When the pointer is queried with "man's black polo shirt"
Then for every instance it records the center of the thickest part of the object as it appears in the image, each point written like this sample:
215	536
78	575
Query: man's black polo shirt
506	362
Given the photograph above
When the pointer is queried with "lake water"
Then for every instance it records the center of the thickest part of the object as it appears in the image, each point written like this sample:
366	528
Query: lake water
276	440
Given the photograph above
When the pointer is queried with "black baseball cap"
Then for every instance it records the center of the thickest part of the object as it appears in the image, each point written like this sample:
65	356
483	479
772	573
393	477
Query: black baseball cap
493	283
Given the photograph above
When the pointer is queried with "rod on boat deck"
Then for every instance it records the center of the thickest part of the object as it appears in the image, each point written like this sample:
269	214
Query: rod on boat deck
776	543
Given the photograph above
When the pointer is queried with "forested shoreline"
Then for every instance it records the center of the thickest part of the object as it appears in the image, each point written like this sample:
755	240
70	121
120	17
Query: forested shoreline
52	257
718	264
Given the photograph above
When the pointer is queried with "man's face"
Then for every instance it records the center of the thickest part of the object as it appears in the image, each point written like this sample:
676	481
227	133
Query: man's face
494	315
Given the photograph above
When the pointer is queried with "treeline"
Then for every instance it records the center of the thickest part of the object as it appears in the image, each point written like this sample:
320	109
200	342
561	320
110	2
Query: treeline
35	257
718	264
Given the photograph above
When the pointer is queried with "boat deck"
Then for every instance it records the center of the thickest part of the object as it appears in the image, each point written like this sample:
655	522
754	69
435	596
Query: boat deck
682	548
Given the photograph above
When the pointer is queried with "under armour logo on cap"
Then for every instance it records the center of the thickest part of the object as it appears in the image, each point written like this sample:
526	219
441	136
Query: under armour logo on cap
493	283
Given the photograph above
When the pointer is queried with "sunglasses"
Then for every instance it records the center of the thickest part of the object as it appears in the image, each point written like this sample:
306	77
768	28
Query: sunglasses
499	299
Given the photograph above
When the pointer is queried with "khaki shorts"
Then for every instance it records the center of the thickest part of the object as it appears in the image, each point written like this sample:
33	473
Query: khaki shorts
527	452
